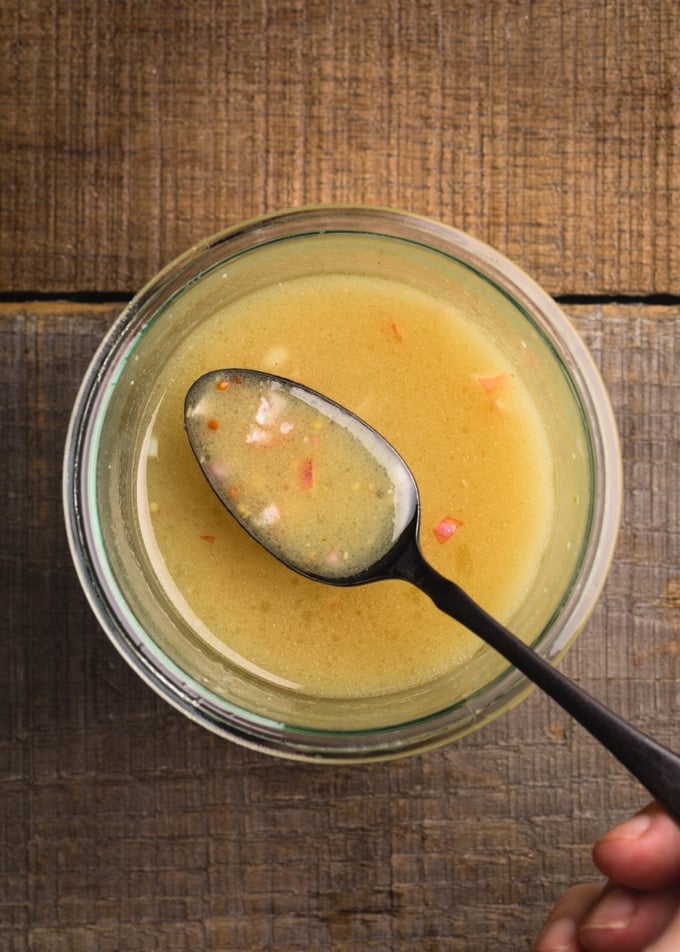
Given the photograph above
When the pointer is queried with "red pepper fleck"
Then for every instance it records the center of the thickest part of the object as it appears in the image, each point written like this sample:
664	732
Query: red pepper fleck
208	538
489	384
213	424
222	384
395	331
446	527
307	474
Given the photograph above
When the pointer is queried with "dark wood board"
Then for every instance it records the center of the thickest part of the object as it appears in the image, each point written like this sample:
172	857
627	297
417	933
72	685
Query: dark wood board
130	130
127	827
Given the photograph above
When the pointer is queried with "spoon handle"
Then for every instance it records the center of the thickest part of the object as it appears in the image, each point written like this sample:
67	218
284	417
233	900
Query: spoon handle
654	765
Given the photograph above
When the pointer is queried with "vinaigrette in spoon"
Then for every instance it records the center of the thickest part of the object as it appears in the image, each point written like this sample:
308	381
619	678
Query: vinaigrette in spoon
312	483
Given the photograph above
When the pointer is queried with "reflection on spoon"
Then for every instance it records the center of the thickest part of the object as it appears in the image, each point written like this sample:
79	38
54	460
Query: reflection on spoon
332	499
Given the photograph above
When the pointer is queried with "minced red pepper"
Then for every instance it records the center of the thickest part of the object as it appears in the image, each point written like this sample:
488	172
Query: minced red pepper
489	384
446	527
307	474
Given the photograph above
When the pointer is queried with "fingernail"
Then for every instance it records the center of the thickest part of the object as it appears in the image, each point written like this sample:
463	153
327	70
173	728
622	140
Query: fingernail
614	911
632	829
558	936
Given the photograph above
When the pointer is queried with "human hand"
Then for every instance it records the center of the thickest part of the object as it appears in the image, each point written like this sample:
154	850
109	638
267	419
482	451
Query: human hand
638	908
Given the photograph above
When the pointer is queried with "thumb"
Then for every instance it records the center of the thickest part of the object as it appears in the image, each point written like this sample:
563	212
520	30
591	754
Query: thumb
643	852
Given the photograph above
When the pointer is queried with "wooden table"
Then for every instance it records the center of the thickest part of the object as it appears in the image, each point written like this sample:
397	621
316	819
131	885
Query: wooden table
128	131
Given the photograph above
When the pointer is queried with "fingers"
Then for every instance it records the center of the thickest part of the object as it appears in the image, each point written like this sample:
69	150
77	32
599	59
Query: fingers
638	910
560	932
670	940
642	853
623	920
591	918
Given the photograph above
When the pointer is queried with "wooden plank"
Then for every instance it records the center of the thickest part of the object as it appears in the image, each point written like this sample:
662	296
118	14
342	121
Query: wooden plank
549	129
124	826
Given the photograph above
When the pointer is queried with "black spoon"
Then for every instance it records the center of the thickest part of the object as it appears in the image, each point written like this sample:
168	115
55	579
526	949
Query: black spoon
231	415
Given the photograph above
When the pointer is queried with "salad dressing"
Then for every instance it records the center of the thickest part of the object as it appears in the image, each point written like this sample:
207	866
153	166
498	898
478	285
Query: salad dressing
453	405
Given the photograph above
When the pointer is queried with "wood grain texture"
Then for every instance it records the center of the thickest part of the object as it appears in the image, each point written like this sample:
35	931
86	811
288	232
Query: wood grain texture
126	827
130	130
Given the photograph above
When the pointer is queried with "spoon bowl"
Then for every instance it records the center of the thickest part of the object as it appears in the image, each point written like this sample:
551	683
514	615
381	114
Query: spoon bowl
329	497
314	484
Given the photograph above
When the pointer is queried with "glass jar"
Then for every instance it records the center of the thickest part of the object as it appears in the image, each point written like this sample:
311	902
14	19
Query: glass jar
143	607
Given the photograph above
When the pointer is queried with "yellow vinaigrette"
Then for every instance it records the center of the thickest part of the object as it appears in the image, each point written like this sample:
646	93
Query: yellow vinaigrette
420	372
